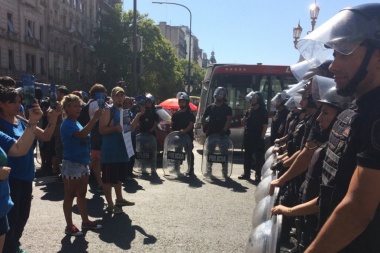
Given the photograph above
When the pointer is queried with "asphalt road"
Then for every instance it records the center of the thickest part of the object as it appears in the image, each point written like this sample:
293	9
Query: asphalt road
188	215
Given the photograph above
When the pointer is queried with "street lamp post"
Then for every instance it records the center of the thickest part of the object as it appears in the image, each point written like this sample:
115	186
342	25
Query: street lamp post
297	34
314	11
189	64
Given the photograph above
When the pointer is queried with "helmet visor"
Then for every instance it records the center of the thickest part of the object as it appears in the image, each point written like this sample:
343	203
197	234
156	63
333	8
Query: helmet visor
320	85
343	33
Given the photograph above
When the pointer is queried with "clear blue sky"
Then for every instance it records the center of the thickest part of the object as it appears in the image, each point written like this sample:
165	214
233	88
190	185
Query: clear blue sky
244	31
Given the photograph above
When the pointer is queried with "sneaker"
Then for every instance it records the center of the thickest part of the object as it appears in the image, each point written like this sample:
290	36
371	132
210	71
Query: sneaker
73	230
91	225
124	202
99	189
114	210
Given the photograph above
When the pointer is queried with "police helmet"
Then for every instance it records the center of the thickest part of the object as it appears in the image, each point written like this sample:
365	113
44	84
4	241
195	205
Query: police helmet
140	100
306	69
149	97
344	32
332	98
220	91
251	95
320	85
182	96
280	99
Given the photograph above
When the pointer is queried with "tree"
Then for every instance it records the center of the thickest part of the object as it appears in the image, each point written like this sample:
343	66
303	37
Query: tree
163	73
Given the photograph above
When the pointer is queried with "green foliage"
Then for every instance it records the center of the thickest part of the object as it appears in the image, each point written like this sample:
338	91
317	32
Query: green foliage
163	73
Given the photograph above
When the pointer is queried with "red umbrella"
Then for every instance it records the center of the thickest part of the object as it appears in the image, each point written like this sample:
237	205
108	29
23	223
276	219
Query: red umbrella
172	103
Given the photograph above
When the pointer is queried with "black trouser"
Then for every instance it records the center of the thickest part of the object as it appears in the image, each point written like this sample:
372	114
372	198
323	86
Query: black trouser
21	194
253	147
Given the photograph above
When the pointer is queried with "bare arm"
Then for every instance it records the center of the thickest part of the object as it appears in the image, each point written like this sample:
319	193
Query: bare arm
307	208
299	165
23	144
87	128
106	125
47	133
361	202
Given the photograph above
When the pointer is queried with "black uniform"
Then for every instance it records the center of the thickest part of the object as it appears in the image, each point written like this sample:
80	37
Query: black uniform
217	118
181	120
147	121
278	125
253	141
354	140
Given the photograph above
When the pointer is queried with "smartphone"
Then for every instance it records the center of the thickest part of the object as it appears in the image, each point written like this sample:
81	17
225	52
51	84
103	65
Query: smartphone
100	99
53	96
29	90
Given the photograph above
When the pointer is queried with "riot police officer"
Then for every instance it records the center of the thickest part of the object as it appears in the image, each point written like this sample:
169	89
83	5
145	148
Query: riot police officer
183	121
255	122
217	120
150	118
350	193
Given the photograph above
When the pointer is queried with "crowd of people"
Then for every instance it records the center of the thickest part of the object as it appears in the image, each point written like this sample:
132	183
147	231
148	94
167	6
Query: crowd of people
325	134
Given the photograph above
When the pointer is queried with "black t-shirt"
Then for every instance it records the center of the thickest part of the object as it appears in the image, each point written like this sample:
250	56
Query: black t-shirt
217	117
147	120
181	120
278	124
255	121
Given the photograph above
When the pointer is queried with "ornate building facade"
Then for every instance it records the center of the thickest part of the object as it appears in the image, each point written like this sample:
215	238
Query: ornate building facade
50	39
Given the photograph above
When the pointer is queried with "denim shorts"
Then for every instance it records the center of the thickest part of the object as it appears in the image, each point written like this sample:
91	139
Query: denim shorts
72	170
4	225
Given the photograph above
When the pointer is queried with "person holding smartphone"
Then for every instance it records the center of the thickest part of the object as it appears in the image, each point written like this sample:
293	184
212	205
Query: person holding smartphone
22	174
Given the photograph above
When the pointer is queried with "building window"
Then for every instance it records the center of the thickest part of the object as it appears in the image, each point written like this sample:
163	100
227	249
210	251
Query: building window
42	34
10	22
30	63
75	4
29	28
42	64
68	2
11	62
81	7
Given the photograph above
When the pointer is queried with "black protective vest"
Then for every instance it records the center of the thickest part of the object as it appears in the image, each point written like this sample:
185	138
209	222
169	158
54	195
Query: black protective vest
338	168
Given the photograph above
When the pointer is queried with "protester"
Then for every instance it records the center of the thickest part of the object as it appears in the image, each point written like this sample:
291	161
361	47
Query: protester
114	157
76	157
13	147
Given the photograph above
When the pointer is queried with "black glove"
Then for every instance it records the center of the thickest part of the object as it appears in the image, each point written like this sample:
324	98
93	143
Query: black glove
277	165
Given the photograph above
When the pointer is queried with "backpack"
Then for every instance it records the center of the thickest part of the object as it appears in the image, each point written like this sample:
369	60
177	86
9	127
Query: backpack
84	116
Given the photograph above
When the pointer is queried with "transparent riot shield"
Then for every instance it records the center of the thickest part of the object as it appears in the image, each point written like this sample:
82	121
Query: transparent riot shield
177	155
217	157
268	163
268	152
262	189
146	154
259	238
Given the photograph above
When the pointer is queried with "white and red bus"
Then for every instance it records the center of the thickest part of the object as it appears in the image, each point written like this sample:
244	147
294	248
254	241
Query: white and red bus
239	80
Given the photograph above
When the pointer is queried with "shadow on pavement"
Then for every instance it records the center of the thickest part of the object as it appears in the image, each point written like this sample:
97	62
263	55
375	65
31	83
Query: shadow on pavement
227	183
132	186
193	181
153	178
53	191
79	244
118	229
